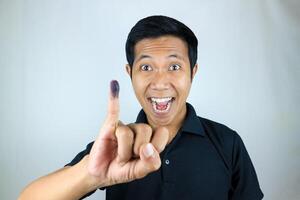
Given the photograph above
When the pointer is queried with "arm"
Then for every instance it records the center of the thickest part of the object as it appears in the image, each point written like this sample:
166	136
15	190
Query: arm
71	182
245	185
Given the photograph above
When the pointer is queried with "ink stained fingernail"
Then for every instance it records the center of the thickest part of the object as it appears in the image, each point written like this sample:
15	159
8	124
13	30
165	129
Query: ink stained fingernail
115	88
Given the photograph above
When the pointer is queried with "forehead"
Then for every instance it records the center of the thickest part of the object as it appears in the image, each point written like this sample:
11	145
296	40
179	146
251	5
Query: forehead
164	45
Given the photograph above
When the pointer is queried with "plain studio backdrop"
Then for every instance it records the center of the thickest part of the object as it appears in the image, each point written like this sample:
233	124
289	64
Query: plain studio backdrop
58	57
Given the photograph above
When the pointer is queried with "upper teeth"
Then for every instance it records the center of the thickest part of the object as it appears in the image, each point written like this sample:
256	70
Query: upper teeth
160	100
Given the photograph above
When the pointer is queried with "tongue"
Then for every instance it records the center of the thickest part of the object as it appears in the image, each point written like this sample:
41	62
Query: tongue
162	105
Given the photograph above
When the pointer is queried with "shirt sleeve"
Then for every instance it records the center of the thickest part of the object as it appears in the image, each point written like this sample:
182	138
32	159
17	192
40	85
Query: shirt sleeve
244	184
81	155
78	158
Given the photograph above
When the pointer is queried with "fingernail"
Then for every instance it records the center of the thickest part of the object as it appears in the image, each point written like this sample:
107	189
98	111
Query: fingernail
148	151
115	88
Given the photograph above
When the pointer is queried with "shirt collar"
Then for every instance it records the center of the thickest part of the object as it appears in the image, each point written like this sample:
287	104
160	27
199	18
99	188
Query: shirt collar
191	124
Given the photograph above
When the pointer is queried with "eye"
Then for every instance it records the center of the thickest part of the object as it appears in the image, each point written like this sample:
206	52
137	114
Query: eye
146	68
174	67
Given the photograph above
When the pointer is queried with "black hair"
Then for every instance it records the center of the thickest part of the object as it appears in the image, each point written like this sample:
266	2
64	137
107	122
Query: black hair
156	26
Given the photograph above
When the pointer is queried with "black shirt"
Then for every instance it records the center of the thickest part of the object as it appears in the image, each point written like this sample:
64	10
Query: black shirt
206	160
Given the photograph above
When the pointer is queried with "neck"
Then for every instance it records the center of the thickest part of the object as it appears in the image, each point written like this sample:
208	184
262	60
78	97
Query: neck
174	126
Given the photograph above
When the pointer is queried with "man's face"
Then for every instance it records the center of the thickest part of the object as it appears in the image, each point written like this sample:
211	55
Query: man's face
161	78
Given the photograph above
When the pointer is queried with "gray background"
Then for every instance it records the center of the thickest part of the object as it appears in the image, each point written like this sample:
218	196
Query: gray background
57	58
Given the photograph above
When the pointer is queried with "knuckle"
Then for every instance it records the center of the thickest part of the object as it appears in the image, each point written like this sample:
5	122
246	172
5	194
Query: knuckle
144	128
124	132
159	148
156	165
113	113
139	175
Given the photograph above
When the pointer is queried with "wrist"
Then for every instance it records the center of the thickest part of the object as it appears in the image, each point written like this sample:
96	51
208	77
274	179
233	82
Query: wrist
90	182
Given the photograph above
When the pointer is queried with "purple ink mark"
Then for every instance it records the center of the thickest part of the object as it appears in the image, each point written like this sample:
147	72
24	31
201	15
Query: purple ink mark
115	88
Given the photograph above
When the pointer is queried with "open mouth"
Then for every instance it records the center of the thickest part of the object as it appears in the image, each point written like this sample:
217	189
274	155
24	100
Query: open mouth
161	104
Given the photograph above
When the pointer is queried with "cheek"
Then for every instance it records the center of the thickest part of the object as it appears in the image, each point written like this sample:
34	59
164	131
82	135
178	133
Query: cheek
139	84
182	85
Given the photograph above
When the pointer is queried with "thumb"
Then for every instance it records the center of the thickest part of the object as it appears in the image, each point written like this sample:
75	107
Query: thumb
113	104
149	161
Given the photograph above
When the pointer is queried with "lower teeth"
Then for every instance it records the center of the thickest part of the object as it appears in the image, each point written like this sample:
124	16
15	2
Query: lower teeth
167	107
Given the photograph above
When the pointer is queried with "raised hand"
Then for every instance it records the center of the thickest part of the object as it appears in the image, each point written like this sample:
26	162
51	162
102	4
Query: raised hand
123	153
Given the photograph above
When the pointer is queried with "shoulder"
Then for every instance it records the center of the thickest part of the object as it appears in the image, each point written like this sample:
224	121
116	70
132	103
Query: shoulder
234	153
223	138
221	132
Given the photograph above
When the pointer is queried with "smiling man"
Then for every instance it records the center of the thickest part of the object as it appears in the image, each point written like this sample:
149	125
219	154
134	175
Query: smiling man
169	152
161	76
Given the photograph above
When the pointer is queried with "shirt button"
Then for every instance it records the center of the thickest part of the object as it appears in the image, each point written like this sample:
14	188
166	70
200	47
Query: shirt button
167	161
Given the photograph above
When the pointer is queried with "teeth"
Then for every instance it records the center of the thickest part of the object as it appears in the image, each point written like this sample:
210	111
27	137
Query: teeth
161	111
160	100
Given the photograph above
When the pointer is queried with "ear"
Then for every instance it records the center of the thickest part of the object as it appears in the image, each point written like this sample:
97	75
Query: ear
195	69
128	70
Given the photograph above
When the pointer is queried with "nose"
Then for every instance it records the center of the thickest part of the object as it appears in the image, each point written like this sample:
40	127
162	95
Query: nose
160	81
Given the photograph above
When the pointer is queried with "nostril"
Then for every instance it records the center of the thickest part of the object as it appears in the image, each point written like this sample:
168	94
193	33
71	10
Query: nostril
160	85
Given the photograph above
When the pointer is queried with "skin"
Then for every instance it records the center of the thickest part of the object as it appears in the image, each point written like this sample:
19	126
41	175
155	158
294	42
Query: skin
162	78
122	153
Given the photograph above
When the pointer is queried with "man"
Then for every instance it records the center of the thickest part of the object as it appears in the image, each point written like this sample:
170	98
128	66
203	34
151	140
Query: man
170	152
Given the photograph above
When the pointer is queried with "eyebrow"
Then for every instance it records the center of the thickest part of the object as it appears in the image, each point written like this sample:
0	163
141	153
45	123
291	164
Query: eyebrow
176	56
143	56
